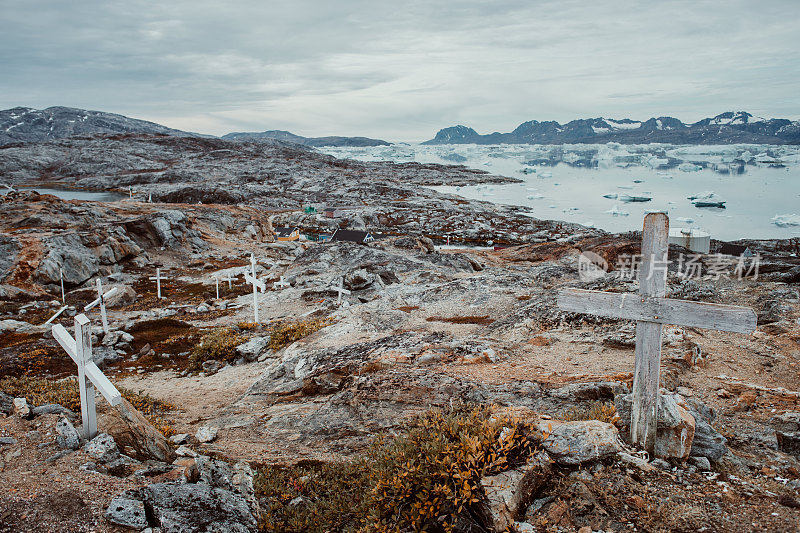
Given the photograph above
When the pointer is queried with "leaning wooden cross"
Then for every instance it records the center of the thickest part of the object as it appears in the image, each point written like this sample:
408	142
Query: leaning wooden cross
101	300
257	285
89	376
651	309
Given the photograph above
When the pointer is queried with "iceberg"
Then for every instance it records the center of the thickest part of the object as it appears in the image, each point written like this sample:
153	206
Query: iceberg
785	221
628	198
617	212
689	167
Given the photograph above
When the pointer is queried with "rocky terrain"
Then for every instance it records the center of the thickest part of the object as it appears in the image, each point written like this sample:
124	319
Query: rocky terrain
726	128
231	425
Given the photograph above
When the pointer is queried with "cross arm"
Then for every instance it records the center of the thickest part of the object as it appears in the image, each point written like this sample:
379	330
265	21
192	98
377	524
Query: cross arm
96	301
633	306
107	389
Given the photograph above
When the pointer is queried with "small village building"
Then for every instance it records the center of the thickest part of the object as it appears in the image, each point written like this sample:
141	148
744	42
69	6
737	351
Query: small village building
333	212
352	236
694	239
286	234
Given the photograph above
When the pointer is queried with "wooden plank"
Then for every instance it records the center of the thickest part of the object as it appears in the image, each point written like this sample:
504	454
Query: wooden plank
106	388
83	352
256	282
652	283
630	306
58	313
66	341
96	301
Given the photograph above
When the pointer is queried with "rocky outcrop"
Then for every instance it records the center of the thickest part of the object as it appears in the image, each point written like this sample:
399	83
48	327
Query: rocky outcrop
676	425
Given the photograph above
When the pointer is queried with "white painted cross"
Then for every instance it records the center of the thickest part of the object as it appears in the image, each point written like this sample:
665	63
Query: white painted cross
341	290
89	376
257	285
130	193
157	279
281	284
651	310
216	282
61	277
150	198
9	187
101	300
58	313
230	281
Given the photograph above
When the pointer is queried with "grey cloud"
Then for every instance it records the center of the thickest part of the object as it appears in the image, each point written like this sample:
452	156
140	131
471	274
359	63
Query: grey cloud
399	70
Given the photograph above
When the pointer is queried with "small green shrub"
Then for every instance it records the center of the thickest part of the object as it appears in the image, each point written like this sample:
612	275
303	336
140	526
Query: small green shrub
602	411
218	344
426	479
286	333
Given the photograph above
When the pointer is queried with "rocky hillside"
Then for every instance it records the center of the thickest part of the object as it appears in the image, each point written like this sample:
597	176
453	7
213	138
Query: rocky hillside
25	125
306	141
726	128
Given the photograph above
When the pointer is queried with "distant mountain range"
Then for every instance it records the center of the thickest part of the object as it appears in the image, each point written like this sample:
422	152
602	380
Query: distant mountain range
726	128
307	141
25	125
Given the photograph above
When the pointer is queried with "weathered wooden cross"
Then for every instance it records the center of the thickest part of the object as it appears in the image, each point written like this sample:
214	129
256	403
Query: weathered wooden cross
651	310
341	290
257	285
281	284
158	277
101	300
89	376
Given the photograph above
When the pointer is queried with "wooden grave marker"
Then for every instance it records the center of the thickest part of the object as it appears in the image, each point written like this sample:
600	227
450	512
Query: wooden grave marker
89	375
651	310
158	277
341	290
257	285
101	301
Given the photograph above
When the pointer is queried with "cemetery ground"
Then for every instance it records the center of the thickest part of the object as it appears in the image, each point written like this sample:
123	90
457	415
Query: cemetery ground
294	424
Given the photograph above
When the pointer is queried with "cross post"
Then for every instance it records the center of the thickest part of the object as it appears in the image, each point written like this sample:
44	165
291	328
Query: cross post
101	300
216	282
341	290
61	277
651	310
89	375
257	284
157	279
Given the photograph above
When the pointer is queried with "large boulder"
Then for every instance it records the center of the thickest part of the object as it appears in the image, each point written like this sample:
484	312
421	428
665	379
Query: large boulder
509	493
675	429
579	442
135	435
183	508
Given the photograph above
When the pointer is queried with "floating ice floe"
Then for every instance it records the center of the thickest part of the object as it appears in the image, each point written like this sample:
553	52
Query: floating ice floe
611	196
707	199
626	187
617	212
785	221
665	175
629	198
534	196
545	174
685	220
689	167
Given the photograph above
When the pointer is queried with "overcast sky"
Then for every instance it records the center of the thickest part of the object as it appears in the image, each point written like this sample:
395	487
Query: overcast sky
400	70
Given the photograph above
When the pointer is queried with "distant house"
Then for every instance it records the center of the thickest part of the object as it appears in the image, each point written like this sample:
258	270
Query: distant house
735	250
352	236
333	212
286	234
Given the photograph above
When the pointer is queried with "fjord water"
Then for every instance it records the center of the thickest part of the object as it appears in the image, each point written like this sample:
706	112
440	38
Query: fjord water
75	194
568	182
